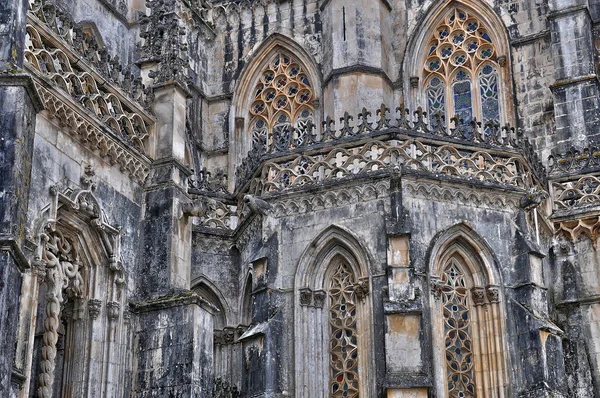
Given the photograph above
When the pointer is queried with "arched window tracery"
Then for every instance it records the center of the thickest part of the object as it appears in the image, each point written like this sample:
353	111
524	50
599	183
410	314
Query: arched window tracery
460	379
461	71
468	317
343	341
282	105
334	345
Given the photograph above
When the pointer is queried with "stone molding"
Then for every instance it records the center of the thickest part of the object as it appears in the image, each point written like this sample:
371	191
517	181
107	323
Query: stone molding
26	81
330	198
442	193
184	298
213	246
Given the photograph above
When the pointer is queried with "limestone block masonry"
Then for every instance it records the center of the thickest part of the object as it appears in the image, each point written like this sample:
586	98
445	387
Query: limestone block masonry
300	198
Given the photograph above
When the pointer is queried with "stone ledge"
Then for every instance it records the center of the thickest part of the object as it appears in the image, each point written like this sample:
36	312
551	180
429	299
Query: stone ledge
10	245
589	300
366	69
24	80
560	84
414	307
184	298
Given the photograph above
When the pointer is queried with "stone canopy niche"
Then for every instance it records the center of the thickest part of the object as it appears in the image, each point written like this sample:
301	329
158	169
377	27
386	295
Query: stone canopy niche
80	297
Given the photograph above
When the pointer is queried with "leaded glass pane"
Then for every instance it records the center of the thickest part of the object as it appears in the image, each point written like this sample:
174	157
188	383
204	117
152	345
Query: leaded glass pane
436	101
457	324
463	102
458	49
488	91
343	343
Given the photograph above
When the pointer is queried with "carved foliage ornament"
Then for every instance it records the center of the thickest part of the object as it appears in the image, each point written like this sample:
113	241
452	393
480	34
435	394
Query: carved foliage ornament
62	276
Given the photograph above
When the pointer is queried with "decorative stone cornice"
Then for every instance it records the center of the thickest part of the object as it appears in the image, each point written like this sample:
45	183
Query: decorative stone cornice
586	226
473	197
93	135
330	198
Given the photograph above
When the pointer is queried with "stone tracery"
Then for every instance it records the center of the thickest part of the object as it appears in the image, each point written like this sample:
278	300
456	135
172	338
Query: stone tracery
461	72
343	334
457	333
282	106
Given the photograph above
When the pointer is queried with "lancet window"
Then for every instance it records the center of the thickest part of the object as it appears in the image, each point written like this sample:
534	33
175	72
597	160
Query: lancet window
457	333
343	341
282	106
461	72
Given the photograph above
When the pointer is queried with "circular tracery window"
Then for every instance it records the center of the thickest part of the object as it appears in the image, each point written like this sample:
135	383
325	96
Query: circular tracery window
282	103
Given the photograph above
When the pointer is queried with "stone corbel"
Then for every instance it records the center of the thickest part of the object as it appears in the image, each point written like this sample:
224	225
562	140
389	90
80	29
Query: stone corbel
113	308
194	208
306	296
478	295
94	306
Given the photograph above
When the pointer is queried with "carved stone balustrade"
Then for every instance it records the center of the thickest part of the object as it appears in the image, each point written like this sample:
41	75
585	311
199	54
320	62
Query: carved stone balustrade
574	181
84	89
491	154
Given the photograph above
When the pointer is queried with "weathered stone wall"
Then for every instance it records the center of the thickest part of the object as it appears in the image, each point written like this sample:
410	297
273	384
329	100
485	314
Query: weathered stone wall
534	306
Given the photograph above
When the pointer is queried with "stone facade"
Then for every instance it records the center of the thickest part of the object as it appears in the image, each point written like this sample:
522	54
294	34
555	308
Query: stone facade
308	198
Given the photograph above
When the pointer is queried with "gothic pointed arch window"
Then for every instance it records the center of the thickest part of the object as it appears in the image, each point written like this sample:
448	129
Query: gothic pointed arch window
282	103
467	321
461	72
334	321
